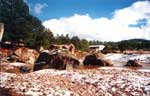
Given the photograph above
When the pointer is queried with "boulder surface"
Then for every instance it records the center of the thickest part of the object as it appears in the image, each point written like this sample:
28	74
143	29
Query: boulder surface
94	60
55	59
133	63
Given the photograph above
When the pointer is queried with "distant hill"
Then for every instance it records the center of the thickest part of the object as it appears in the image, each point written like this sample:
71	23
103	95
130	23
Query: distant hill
136	40
134	44
131	44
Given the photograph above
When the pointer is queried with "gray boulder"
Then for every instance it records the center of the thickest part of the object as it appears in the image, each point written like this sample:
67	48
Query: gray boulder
94	60
133	63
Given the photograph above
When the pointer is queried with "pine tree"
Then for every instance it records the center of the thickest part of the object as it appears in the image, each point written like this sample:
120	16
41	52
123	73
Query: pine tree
19	24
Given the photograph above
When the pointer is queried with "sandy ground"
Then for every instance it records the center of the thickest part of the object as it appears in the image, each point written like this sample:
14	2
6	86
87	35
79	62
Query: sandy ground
104	81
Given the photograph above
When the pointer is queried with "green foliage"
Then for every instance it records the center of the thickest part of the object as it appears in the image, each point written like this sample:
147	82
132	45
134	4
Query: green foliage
84	45
132	44
62	39
19	24
44	39
76	41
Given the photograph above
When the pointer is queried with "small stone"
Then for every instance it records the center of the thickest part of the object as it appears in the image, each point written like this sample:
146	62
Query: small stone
113	89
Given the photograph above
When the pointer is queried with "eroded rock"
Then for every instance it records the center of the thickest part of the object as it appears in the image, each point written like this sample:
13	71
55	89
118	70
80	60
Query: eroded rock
55	59
26	55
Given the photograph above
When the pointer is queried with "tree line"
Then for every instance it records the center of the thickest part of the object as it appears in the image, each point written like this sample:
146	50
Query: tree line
21	26
131	44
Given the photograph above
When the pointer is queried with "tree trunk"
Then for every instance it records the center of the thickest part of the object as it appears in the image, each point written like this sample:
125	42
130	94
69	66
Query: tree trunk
1	31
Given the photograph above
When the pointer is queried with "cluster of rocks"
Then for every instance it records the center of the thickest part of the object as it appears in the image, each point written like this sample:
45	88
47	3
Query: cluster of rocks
57	60
18	60
57	56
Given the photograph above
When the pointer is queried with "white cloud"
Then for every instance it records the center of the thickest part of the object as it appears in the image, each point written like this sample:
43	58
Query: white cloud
38	7
115	29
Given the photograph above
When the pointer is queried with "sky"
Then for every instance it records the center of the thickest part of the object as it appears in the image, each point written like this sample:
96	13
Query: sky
103	20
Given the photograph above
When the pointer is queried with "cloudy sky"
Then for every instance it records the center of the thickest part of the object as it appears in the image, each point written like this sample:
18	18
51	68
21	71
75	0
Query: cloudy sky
104	20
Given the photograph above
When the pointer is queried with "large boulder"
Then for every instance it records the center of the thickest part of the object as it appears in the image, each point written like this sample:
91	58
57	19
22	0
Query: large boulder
55	59
26	55
93	60
133	63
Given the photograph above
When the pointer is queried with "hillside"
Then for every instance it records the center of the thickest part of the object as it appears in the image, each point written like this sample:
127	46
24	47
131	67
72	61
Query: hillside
134	44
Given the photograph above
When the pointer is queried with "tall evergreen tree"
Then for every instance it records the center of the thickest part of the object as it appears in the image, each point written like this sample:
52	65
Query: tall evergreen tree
19	24
62	39
76	41
84	45
44	39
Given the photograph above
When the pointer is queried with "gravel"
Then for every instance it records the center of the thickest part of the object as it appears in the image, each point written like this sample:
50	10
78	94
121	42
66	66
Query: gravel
91	82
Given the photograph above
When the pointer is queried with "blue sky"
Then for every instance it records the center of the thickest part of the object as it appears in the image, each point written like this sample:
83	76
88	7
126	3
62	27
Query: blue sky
66	8
104	20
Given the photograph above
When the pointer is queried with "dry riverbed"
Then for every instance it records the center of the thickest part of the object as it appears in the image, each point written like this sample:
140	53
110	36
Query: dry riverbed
102	81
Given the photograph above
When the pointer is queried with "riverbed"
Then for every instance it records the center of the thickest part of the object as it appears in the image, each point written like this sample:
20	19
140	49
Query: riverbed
119	60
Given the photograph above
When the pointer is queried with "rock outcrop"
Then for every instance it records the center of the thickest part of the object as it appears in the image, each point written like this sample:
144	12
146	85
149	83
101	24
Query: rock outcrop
55	59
